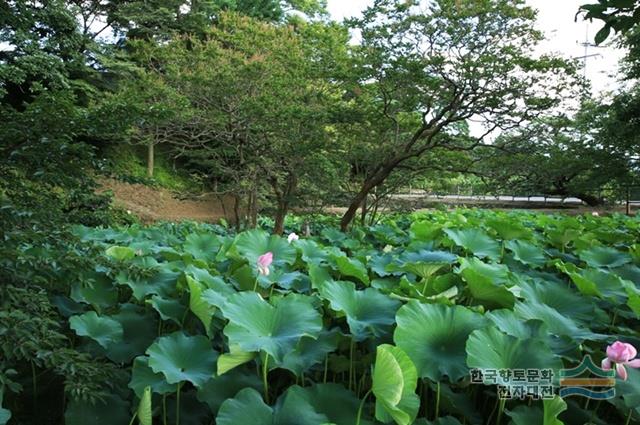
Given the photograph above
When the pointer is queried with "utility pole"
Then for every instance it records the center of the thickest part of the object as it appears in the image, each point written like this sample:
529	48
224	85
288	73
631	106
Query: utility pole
586	55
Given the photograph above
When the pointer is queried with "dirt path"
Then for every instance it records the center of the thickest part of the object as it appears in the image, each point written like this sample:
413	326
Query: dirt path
157	204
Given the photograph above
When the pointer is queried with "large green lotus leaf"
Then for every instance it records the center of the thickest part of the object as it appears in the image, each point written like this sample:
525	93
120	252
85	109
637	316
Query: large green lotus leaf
203	246
556	323
511	324
208	281
603	256
458	403
80	412
96	288
487	282
422	263
394	380
168	309
564	299
562	237
312	253
351	267
234	358
319	275
369	312
183	358
599	283
379	262
425	230
508	228
552	408
139	331
290	281
246	407
434	337
489	348
527	253
121	253
162	282
297	406
220	388
294	408
256	325
142	376
254	243
198	305
629	272
311	351
333	400
104	330
475	241
333	235
527	415
629	390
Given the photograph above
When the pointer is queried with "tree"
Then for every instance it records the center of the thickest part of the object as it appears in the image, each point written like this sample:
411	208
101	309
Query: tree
259	108
426	68
618	15
563	156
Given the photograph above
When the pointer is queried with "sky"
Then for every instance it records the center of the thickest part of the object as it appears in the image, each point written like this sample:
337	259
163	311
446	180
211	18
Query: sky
556	18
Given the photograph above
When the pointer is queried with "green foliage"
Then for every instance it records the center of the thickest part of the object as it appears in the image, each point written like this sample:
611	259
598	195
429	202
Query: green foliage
618	15
187	321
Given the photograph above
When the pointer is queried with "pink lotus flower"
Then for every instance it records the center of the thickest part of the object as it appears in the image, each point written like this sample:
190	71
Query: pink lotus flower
292	237
264	261
621	354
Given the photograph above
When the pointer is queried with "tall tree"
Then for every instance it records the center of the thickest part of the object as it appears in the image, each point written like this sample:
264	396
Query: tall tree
259	107
426	67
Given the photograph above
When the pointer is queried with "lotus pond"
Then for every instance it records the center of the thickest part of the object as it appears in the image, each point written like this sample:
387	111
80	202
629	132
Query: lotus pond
402	322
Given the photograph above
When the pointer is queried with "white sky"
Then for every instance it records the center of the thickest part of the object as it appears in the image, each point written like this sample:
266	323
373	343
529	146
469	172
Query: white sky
556	18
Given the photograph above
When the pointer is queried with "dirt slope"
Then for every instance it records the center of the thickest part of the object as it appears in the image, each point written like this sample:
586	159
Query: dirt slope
156	204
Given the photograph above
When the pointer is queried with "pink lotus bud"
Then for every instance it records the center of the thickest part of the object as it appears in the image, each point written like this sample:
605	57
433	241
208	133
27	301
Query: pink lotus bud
264	261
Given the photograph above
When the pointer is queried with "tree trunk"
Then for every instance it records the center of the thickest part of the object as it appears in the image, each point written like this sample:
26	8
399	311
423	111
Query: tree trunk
376	179
363	211
150	158
283	198
351	212
281	213
236	211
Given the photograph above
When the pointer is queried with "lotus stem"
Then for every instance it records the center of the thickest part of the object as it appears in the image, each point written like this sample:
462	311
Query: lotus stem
133	418
178	403
351	346
424	287
326	368
501	410
164	409
361	407
255	286
437	401
629	417
265	372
